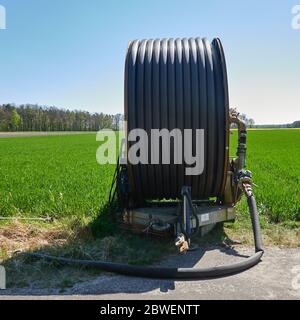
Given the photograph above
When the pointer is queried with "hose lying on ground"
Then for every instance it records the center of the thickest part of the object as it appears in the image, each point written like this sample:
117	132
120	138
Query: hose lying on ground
174	273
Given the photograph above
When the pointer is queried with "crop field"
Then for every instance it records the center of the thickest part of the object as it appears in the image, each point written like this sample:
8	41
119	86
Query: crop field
273	156
58	176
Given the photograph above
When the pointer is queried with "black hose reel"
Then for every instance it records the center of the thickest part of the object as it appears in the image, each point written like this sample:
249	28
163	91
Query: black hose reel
179	84
182	84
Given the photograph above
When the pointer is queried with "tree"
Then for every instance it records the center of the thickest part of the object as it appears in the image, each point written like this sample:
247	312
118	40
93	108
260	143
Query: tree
15	120
296	124
250	122
117	121
39	118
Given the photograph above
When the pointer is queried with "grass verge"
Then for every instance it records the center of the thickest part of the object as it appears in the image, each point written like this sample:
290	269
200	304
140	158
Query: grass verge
74	238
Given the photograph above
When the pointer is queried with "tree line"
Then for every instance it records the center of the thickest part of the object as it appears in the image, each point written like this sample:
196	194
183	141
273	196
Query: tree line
30	117
294	125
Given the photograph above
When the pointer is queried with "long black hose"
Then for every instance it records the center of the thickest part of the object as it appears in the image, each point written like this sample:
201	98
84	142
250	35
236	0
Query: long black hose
174	273
160	272
255	223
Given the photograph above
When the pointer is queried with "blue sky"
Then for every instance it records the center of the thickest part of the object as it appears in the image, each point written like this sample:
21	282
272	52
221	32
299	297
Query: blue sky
71	53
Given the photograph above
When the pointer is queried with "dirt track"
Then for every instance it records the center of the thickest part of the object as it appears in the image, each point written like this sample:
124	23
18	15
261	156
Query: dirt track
39	133
276	277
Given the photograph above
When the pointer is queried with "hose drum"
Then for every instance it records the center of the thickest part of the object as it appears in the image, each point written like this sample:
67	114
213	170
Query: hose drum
178	84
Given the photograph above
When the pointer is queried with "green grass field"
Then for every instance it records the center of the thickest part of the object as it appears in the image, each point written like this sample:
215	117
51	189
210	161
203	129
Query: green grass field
273	156
59	176
55	175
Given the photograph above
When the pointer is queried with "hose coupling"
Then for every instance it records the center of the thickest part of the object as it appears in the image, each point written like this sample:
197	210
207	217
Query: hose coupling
244	179
181	243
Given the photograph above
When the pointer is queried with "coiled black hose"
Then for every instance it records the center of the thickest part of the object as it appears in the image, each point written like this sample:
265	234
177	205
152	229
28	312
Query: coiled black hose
178	84
174	273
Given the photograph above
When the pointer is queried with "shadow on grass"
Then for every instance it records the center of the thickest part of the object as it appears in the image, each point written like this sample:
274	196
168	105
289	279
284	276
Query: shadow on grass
102	240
